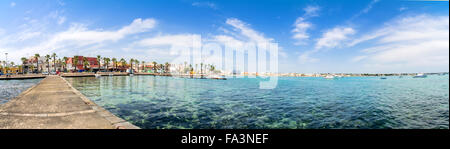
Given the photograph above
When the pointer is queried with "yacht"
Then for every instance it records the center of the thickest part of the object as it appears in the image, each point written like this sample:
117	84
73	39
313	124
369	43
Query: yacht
329	77
420	75
98	75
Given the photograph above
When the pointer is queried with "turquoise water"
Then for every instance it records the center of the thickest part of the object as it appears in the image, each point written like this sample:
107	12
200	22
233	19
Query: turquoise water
12	88
297	102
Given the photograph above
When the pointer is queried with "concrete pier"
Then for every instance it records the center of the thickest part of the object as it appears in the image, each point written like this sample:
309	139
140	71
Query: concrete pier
21	77
55	104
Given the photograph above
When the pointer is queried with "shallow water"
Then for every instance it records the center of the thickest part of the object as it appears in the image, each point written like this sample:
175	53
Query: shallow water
12	88
238	103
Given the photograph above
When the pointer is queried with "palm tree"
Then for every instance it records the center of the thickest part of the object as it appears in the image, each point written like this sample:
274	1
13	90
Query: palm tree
123	62
54	60
106	62
114	63
85	63
65	63
75	62
24	60
131	64
47	58
166	66
154	65
37	61
201	68
161	68
212	68
98	61
143	65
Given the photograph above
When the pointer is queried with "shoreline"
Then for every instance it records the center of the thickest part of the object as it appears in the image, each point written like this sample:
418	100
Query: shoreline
54	103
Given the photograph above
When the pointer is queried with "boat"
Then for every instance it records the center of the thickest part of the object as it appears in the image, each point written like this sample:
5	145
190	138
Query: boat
111	74
131	75
383	78
329	77
420	75
98	75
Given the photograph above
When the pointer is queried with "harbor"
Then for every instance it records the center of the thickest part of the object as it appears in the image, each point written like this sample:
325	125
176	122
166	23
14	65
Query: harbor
54	104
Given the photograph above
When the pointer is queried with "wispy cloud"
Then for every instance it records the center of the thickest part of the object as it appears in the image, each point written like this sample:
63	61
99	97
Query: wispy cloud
12	4
302	26
77	36
205	4
311	11
248	32
407	43
365	10
334	38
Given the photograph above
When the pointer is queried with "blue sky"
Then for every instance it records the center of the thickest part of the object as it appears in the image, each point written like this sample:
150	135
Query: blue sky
373	36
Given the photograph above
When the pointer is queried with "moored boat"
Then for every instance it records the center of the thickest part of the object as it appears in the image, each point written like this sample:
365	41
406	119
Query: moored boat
329	77
420	75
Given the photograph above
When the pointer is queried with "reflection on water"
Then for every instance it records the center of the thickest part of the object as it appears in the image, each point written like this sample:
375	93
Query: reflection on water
354	102
12	88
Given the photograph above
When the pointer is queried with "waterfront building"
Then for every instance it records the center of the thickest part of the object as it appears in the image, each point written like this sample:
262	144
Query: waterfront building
93	64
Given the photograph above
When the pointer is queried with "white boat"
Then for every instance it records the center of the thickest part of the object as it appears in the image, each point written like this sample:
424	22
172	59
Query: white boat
420	75
111	74
329	77
98	75
131	75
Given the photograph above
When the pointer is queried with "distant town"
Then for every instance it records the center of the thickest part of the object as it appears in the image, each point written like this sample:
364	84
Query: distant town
52	64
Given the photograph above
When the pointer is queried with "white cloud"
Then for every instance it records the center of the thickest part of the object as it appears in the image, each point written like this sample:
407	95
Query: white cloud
409	44
311	11
78	36
301	25
179	40
205	4
299	31
12	4
80	33
365	10
61	20
334	38
248	32
306	58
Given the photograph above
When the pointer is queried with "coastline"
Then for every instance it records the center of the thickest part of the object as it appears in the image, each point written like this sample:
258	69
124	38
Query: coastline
63	109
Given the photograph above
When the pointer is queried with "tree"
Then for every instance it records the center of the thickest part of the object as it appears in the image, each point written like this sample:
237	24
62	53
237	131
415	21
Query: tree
131	65
143	65
114	63
36	56
65	63
161	68
154	65
85	63
212	68
201	68
167	67
47	60
98	61
54	61
106	60
75	62
24	61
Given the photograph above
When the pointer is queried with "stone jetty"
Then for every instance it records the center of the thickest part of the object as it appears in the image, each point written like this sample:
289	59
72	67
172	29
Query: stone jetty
55	104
